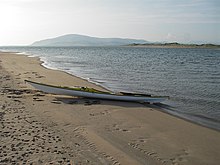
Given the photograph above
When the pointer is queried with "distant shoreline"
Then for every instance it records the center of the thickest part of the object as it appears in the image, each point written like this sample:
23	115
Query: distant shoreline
176	45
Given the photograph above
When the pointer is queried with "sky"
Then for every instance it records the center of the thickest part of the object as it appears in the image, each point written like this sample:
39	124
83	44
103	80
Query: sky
23	22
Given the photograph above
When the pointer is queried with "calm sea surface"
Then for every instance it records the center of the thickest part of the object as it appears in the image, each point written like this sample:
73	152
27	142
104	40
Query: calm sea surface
191	77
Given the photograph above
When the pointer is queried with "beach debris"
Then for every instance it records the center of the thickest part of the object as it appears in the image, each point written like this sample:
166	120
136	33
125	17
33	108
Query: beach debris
55	102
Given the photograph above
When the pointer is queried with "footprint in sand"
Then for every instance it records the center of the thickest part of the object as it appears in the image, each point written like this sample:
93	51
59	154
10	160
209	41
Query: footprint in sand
39	95
37	99
105	112
26	72
180	157
136	144
117	128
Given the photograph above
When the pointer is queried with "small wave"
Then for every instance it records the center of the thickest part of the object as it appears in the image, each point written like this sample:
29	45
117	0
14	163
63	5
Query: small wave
46	65
22	53
205	117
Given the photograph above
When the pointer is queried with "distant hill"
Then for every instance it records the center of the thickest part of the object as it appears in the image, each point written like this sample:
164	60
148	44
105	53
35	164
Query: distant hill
81	40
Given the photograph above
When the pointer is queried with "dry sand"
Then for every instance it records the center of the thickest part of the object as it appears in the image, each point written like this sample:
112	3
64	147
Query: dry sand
38	128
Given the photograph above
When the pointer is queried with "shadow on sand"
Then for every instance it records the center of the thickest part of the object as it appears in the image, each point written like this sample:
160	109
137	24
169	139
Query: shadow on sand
88	102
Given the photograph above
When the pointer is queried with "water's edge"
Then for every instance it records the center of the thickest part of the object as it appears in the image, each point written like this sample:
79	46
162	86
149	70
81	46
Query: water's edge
166	108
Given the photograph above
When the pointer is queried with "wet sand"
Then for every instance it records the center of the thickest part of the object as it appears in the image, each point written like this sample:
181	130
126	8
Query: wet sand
40	128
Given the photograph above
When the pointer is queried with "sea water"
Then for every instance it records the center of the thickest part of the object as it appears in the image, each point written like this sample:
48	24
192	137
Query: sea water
190	77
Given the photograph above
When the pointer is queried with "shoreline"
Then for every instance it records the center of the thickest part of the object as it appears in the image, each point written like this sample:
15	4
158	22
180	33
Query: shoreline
101	87
177	45
106	132
43	64
96	84
182	116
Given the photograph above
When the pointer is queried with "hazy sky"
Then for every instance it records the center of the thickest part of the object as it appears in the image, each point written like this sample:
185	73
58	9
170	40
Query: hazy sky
25	21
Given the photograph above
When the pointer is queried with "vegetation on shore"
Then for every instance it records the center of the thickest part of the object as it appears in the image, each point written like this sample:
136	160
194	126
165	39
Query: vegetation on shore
176	45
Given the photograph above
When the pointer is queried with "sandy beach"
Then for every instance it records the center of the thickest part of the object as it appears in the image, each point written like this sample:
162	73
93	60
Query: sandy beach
40	128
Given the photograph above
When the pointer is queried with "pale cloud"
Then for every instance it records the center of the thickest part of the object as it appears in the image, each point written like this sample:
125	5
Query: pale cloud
184	37
171	37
